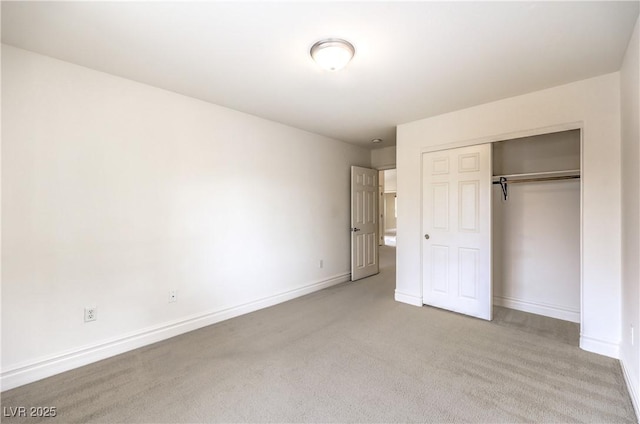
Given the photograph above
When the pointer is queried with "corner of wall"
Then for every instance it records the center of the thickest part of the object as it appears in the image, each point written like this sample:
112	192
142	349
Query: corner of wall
630	219
633	389
409	299
601	347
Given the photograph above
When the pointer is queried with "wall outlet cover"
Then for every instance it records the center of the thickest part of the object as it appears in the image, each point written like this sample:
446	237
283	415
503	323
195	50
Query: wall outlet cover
90	314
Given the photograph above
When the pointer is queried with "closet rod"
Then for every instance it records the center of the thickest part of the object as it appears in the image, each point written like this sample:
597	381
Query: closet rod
530	180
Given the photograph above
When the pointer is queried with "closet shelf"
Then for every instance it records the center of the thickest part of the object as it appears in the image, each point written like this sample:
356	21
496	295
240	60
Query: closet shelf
515	177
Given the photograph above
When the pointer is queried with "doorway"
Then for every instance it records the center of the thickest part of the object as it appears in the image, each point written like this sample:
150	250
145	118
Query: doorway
388	207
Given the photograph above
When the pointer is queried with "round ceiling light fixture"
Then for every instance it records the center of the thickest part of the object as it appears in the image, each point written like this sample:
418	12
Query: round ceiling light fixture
376	140
332	54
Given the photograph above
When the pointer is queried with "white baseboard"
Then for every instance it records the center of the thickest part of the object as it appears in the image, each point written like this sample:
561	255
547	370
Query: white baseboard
601	347
590	344
546	310
408	298
633	389
46	367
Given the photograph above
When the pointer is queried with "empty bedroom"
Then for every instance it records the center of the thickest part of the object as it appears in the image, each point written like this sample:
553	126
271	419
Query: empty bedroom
221	211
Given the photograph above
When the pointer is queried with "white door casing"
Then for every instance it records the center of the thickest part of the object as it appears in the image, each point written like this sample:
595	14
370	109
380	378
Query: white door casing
456	223
381	209
364	222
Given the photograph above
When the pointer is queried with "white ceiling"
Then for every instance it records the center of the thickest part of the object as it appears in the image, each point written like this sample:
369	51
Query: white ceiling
413	59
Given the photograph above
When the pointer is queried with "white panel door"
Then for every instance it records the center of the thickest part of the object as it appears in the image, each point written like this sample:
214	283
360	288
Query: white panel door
456	222
364	222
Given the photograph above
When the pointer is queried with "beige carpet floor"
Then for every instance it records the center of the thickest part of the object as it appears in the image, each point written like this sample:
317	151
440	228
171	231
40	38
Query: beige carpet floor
349	353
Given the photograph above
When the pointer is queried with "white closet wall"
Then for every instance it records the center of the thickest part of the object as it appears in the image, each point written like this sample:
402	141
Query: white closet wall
536	231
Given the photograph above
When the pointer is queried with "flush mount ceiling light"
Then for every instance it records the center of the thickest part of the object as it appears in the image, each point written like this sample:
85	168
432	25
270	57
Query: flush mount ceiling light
376	140
332	54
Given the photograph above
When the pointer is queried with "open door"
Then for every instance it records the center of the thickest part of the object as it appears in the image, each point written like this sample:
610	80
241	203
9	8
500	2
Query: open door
456	244
364	222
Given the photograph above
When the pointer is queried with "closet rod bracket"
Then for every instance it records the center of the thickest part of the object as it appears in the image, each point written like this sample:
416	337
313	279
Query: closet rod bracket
503	186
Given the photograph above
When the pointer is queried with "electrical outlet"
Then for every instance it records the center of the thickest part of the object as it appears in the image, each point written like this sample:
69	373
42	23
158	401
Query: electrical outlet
173	296
321	263
90	314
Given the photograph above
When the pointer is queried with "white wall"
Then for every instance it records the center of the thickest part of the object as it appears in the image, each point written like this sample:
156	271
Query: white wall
593	104
115	192
536	248
630	93
558	151
383	158
390	181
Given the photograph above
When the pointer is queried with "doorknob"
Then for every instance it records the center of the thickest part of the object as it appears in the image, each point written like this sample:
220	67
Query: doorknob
355	229
426	236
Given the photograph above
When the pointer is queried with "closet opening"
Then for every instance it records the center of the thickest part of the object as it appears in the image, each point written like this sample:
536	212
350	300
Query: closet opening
536	230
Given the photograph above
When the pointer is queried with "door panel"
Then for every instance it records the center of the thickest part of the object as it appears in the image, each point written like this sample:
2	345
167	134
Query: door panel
440	269
456	221
469	162
364	222
469	211
440	206
468	272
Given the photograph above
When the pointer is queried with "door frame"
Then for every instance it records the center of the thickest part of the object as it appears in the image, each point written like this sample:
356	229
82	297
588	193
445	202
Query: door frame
578	125
381	212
